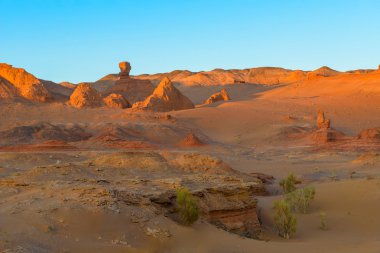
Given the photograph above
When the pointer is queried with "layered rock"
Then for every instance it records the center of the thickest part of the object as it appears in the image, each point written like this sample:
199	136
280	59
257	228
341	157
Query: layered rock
85	96
116	101
225	197
219	96
133	90
27	85
165	98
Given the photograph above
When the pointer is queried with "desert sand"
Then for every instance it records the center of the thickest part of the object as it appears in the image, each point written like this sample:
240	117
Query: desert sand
81	174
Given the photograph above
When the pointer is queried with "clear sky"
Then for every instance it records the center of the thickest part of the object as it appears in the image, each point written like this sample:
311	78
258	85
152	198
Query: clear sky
83	40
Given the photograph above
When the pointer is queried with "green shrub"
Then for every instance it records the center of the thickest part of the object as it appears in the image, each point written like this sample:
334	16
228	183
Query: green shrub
186	206
285	221
288	184
300	199
323	219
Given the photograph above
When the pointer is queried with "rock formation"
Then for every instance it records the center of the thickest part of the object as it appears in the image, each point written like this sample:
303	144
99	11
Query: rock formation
165	98
324	132
322	72
116	101
219	96
191	140
85	96
133	90
7	90
370	134
264	75
28	86
322	121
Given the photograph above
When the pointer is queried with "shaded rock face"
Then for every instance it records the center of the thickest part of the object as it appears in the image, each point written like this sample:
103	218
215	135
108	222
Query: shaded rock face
165	98
219	96
133	90
27	85
7	90
322	121
116	101
85	96
370	134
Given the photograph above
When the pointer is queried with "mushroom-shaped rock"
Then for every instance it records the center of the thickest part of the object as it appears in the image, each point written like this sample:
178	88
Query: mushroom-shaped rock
125	67
219	96
85	96
28	85
165	97
116	101
133	90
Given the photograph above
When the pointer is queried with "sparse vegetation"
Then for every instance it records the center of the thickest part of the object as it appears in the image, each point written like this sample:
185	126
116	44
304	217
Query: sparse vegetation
323	219
285	221
300	199
288	184
186	206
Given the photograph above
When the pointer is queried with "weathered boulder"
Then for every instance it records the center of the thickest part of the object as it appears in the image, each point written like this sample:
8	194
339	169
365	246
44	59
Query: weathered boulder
85	96
116	101
165	97
219	96
28	85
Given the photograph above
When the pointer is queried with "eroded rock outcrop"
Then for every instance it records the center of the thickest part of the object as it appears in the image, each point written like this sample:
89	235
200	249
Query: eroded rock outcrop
322	121
133	90
324	132
116	101
219	96
42	132
85	96
27	85
370	134
225	197
165	98
322	72
191	140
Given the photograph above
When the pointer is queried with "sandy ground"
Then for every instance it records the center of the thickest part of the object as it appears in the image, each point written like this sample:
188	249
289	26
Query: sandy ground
247	133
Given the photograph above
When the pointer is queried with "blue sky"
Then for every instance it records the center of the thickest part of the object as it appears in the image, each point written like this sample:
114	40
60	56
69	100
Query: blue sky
83	40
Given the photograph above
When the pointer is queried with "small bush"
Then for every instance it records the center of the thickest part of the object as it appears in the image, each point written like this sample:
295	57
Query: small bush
323	219
288	184
285	221
186	206
300	199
